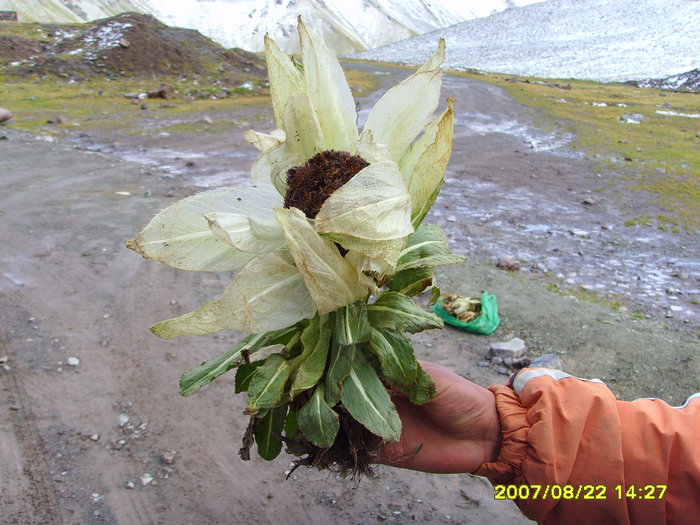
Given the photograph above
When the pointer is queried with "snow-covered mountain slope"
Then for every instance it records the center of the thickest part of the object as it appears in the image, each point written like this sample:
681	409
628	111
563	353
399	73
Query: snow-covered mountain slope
348	25
605	40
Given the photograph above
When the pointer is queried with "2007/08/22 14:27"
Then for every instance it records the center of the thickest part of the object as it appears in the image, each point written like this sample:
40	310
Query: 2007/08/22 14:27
584	492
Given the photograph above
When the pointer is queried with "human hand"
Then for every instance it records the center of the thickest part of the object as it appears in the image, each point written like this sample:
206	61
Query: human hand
456	431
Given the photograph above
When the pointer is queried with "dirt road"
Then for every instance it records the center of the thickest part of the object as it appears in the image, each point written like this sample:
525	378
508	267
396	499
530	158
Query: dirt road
92	429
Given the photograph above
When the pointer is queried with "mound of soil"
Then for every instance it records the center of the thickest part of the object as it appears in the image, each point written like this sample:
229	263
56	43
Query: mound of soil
128	44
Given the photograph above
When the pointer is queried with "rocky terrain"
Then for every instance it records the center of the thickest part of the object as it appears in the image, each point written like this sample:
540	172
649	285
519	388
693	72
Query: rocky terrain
128	45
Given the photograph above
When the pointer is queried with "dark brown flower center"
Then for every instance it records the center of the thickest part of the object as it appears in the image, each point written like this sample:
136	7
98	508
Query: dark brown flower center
309	186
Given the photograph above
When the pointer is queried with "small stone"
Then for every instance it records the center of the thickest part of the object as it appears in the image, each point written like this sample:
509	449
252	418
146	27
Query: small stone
123	419
73	361
168	457
94	437
513	348
507	263
547	361
503	371
496	360
124	43
206	120
484	364
589	202
146	479
521	362
129	485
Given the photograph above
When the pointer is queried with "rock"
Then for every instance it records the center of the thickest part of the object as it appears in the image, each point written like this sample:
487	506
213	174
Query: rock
508	349
165	91
124	43
73	361
146	479
94	437
507	263
5	115
633	118
589	202
521	362
129	485
547	361
206	119
168	457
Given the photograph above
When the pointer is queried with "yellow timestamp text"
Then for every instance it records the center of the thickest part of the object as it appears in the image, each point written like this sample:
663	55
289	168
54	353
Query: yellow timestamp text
578	492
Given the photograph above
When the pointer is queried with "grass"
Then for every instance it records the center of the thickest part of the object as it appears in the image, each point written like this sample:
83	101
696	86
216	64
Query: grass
100	105
661	154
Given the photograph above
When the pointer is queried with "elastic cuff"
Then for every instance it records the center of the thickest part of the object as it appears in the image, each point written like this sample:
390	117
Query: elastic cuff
514	430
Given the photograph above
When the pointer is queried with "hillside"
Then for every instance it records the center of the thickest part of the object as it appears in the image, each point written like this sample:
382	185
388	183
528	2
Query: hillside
128	44
596	40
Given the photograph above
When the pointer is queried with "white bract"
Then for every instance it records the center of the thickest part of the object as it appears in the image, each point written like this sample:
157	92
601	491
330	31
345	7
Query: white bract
289	266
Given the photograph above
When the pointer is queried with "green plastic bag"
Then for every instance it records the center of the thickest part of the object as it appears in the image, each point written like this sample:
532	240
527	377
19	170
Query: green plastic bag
485	324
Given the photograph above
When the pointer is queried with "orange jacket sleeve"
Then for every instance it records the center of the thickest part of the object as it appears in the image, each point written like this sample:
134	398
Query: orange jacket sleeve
562	430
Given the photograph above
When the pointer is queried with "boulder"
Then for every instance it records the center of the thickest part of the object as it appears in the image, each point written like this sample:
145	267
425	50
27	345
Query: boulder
165	91
5	115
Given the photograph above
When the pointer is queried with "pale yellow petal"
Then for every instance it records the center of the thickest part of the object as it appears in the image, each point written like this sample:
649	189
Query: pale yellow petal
332	282
265	142
286	78
329	92
423	168
304	134
402	113
373	205
267	294
247	233
369	150
271	168
179	235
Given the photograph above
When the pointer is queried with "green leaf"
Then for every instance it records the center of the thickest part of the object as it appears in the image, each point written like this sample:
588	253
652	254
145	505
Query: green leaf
244	374
399	313
267	385
427	246
412	281
318	421
434	295
311	363
194	379
268	431
339	366
291	426
365	397
351	324
424	389
396	358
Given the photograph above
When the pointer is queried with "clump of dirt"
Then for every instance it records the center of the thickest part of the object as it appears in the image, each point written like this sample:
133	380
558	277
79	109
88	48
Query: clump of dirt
309	186
129	44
